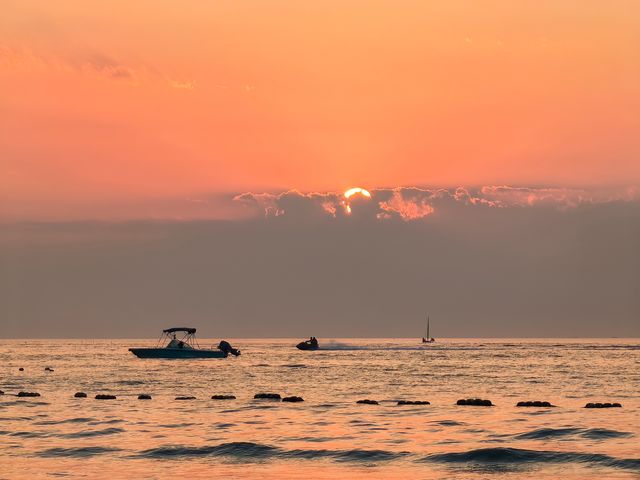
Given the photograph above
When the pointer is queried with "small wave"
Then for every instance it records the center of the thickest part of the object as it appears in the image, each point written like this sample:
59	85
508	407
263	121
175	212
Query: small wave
502	455
246	450
67	420
235	449
176	425
93	433
601	433
545	433
592	433
448	423
77	452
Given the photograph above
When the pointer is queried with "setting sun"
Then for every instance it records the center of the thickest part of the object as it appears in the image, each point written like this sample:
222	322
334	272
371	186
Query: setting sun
352	191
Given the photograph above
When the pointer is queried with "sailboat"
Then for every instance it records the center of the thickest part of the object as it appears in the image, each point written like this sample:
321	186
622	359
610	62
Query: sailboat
428	338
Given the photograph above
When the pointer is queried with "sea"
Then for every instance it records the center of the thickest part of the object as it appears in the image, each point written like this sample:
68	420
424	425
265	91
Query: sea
328	435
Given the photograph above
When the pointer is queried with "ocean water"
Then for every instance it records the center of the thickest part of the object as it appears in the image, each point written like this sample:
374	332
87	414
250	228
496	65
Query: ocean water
328	435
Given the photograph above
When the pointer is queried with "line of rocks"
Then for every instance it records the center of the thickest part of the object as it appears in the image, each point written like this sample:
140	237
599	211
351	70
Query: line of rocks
478	402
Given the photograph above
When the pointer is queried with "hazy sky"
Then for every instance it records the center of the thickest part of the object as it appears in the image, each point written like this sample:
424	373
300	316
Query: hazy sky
151	155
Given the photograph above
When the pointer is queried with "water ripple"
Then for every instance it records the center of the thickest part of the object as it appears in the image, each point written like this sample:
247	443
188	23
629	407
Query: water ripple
503	455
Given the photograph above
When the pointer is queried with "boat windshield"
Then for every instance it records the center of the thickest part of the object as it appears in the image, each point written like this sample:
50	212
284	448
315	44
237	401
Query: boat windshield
175	343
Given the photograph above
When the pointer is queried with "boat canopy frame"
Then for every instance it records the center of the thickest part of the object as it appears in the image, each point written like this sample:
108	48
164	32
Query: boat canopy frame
188	337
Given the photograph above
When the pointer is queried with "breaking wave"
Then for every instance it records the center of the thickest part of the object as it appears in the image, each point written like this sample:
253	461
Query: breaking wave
519	456
246	450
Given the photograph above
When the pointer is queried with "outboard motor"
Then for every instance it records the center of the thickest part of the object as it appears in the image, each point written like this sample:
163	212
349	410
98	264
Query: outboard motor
226	347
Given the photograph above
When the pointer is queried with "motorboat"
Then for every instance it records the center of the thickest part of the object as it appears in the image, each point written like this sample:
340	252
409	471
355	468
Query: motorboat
181	343
311	344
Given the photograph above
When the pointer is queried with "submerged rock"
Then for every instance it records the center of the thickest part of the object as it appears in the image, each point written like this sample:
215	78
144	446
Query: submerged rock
366	401
477	402
144	396
602	405
223	397
185	398
28	394
102	396
80	395
268	396
413	402
293	399
535	403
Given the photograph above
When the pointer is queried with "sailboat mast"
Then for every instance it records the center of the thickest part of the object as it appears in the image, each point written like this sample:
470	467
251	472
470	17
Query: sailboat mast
428	337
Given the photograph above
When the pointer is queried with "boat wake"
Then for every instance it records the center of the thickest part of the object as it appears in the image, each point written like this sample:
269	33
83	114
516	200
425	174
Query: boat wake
337	346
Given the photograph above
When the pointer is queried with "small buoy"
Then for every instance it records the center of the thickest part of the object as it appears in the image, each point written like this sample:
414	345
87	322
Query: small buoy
534	404
185	398
413	402
28	394
293	399
477	402
223	397
366	401
144	396
102	396
21	369
602	405
80	395
267	396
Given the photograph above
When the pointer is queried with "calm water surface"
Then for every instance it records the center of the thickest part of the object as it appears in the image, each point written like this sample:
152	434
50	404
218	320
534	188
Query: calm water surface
329	435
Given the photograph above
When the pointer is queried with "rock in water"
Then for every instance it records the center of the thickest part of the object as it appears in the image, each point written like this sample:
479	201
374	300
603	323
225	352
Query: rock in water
602	405
413	402
80	395
144	396
185	398
267	396
293	399
535	403
366	401
102	396
28	394
223	397
477	402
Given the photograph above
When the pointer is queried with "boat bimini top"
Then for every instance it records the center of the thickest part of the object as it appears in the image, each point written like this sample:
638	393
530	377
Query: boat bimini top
187	340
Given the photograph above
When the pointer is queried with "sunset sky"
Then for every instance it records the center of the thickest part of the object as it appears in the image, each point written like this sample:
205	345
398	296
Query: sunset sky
499	141
131	109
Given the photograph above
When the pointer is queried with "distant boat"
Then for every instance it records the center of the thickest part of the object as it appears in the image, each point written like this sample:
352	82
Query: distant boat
311	344
428	338
184	347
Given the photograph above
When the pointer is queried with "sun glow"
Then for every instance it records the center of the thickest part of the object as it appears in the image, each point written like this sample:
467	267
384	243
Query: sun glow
352	191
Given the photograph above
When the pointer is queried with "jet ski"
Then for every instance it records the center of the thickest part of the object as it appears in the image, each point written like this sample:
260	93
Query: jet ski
311	344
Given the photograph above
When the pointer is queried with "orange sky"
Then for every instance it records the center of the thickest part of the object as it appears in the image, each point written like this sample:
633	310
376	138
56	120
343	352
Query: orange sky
116	109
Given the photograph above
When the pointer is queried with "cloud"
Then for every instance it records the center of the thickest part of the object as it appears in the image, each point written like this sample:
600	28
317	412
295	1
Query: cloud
414	203
107	66
182	85
89	62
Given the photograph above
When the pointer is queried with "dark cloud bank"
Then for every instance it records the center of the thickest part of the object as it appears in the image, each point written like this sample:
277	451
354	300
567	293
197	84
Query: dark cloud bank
492	261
